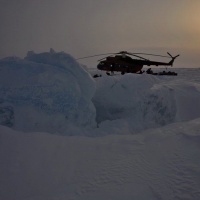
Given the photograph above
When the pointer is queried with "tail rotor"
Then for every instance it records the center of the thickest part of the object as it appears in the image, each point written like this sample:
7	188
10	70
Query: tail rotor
173	58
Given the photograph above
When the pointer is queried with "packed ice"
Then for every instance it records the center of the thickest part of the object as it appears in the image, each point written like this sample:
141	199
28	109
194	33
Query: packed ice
45	92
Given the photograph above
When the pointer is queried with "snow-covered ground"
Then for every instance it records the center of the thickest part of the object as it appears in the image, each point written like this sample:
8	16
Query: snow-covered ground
64	135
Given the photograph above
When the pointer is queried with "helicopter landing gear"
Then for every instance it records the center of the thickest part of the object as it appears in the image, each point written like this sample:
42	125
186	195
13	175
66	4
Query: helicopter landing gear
108	73
122	73
96	76
111	73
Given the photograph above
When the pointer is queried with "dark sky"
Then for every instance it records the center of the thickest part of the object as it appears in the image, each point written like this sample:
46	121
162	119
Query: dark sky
87	27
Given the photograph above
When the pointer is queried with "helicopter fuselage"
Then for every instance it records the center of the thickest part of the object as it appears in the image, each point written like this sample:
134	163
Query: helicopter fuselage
121	64
126	64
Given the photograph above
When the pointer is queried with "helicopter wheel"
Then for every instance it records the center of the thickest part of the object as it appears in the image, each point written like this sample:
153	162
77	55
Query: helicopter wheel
108	73
122	73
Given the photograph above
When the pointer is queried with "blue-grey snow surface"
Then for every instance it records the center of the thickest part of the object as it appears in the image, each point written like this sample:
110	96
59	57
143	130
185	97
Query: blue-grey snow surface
145	101
45	92
64	135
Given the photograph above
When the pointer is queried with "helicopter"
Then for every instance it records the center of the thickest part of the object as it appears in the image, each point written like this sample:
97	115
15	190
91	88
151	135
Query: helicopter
124	63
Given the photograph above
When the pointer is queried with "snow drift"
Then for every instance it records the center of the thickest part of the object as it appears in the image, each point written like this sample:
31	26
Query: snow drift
144	101
45	92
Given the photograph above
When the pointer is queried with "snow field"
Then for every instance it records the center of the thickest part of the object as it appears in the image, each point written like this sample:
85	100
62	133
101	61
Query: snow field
161	163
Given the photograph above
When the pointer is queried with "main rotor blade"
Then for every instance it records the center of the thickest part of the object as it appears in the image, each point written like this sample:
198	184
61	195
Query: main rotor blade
94	56
102	58
125	52
152	55
121	52
132	54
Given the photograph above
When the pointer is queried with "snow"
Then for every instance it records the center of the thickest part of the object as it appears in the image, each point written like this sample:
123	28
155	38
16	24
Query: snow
145	101
125	137
46	92
160	163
